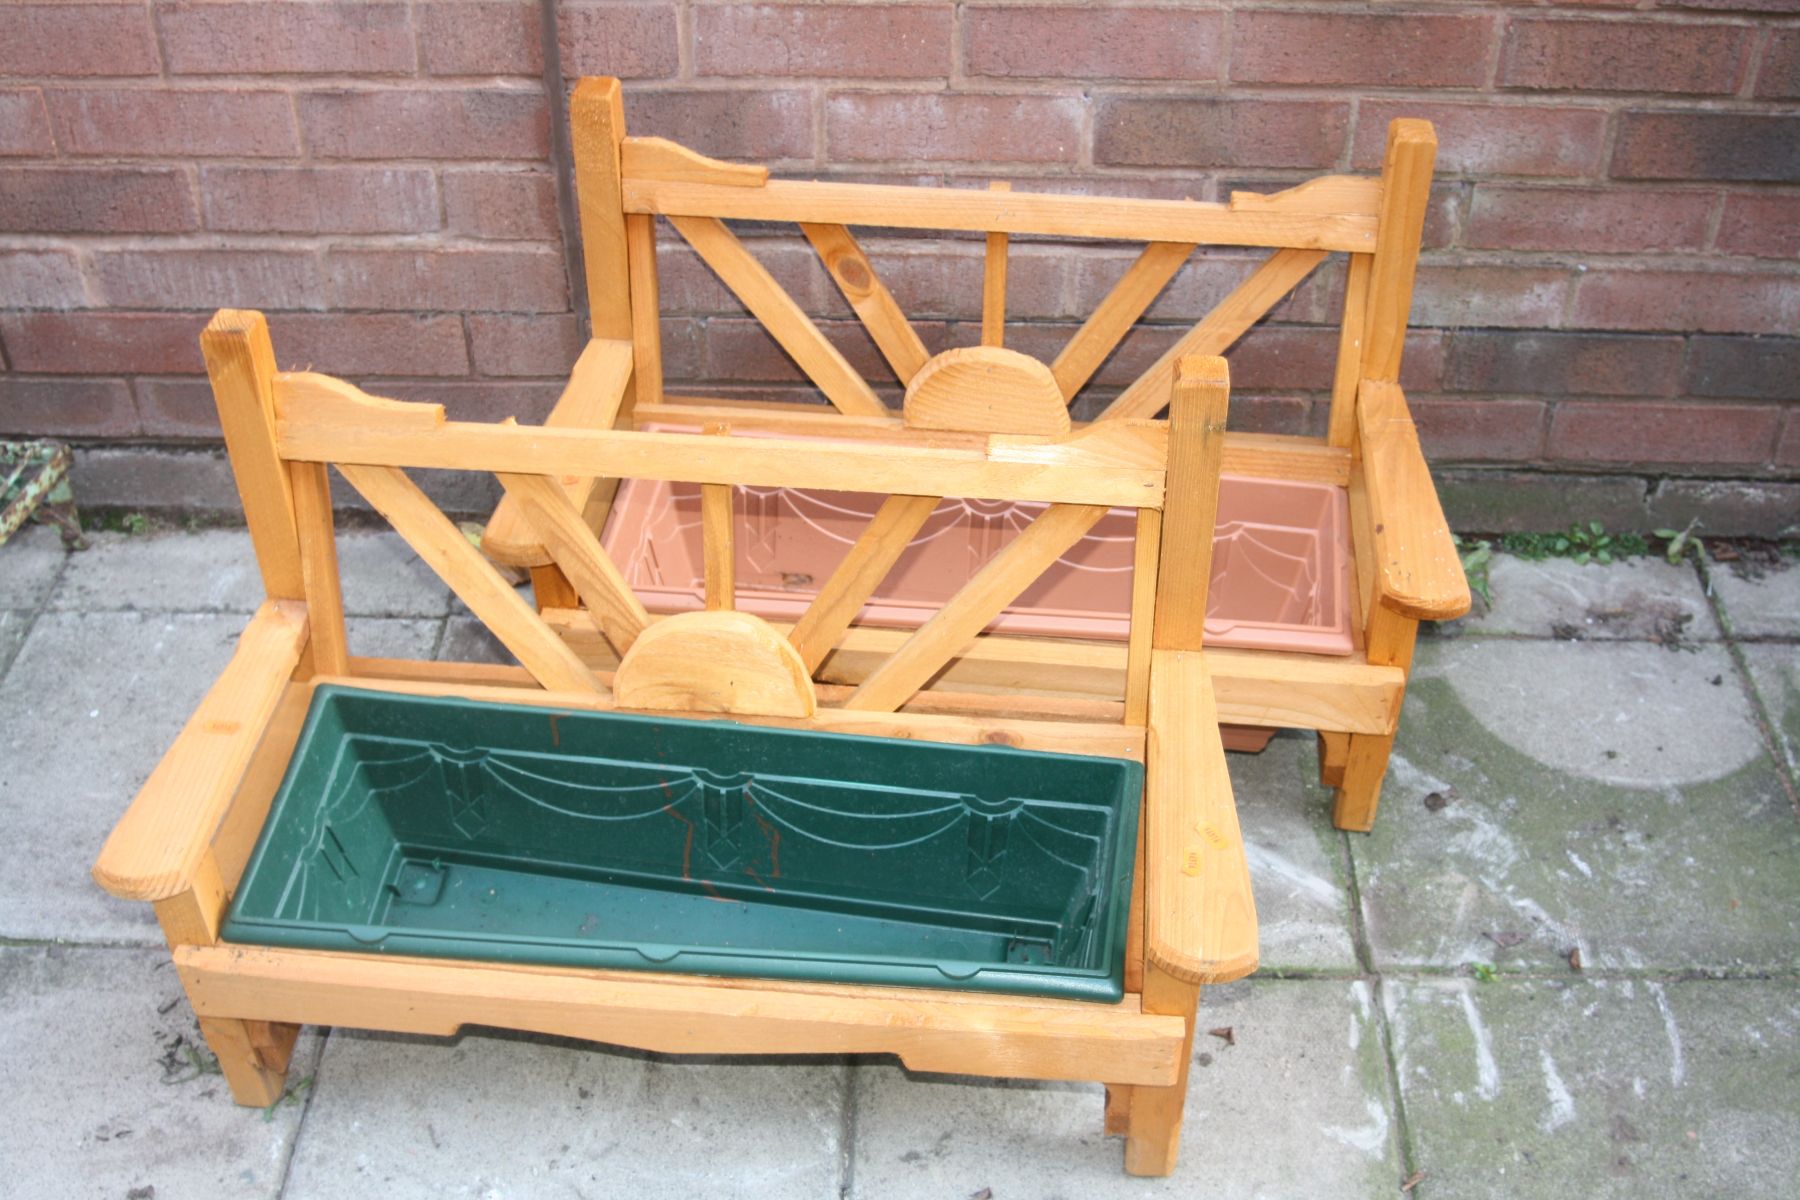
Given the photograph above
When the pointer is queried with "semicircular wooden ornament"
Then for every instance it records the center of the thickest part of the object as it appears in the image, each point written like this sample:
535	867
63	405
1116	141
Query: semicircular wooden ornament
729	662
987	389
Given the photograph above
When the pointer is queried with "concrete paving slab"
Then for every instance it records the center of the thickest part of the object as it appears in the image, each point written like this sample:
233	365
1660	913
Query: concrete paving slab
28	565
1605	1088
13	625
88	708
1760	604
1643	599
100	1096
392	637
1775	669
383	577
1298	1106
1297	864
466	639
215	571
1549	796
522	1116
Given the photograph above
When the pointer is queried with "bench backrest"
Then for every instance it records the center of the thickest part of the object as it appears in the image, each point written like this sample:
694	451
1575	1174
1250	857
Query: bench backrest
624	183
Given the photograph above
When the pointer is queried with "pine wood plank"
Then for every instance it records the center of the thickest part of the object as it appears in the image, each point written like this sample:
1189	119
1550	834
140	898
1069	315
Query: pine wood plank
858	574
986	389
1100	334
869	298
1145	564
480	681
993	281
311	486
659	158
1202	393
594	398
718	541
1350	351
1280	274
448	553
1019	1037
751	283
954	626
1418	571
646	310
596	579
157	846
899	207
1084	469
1199	913
596	127
1405	196
720	662
1153	1128
240	362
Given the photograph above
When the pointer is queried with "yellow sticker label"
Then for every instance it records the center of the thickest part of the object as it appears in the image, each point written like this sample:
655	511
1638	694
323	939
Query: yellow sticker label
1214	838
1190	861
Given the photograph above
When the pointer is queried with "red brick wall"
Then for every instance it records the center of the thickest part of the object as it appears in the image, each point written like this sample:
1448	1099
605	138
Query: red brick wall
1607	315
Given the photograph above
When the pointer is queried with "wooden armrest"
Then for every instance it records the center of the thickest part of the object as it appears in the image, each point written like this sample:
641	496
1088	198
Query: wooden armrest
1199	915
1418	571
161	840
592	399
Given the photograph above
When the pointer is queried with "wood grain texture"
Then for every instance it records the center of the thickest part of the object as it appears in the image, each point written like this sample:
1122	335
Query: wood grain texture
899	207
986	389
1348	372
461	566
646	379
311	485
718	662
1100	466
1202	392
596	127
477	681
240	362
1418	571
1200	917
589	569
858	574
869	298
718	543
1145	565
1280	274
1142	282
1328	194
659	158
1405	196
1153	1127
993	282
158	844
950	630
751	283
594	398
1014	1036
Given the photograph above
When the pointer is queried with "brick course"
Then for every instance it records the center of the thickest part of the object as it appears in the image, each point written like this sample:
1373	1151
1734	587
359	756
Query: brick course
1608	307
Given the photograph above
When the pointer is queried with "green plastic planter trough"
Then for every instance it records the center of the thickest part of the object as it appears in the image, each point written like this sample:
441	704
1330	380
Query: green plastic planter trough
514	833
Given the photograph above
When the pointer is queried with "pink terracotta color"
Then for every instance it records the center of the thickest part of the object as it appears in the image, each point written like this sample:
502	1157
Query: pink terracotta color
1281	561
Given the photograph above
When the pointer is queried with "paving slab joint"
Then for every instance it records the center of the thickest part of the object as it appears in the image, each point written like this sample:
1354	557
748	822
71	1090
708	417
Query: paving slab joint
1765	725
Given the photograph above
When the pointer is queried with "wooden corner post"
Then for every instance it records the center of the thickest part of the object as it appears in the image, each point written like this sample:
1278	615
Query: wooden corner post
240	361
1151	1116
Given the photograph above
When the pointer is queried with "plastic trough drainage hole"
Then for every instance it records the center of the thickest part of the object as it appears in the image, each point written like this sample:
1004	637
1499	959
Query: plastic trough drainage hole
1029	951
418	883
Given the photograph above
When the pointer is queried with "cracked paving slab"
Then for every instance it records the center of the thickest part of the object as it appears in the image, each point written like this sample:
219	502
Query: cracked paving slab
1599	1088
1298	1104
103	1096
87	710
397	1116
1762	603
1775	670
1545	797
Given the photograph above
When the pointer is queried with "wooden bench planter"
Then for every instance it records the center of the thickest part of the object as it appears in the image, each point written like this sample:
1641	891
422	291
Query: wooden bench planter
980	424
1406	568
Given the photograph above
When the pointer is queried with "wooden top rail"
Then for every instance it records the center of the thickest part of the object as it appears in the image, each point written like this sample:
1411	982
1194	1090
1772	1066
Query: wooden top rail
1418	571
322	419
1329	213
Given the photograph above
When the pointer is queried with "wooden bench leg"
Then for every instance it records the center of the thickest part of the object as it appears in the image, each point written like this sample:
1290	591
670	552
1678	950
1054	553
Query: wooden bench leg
253	1057
1118	1109
1153	1139
1359	792
1334	752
